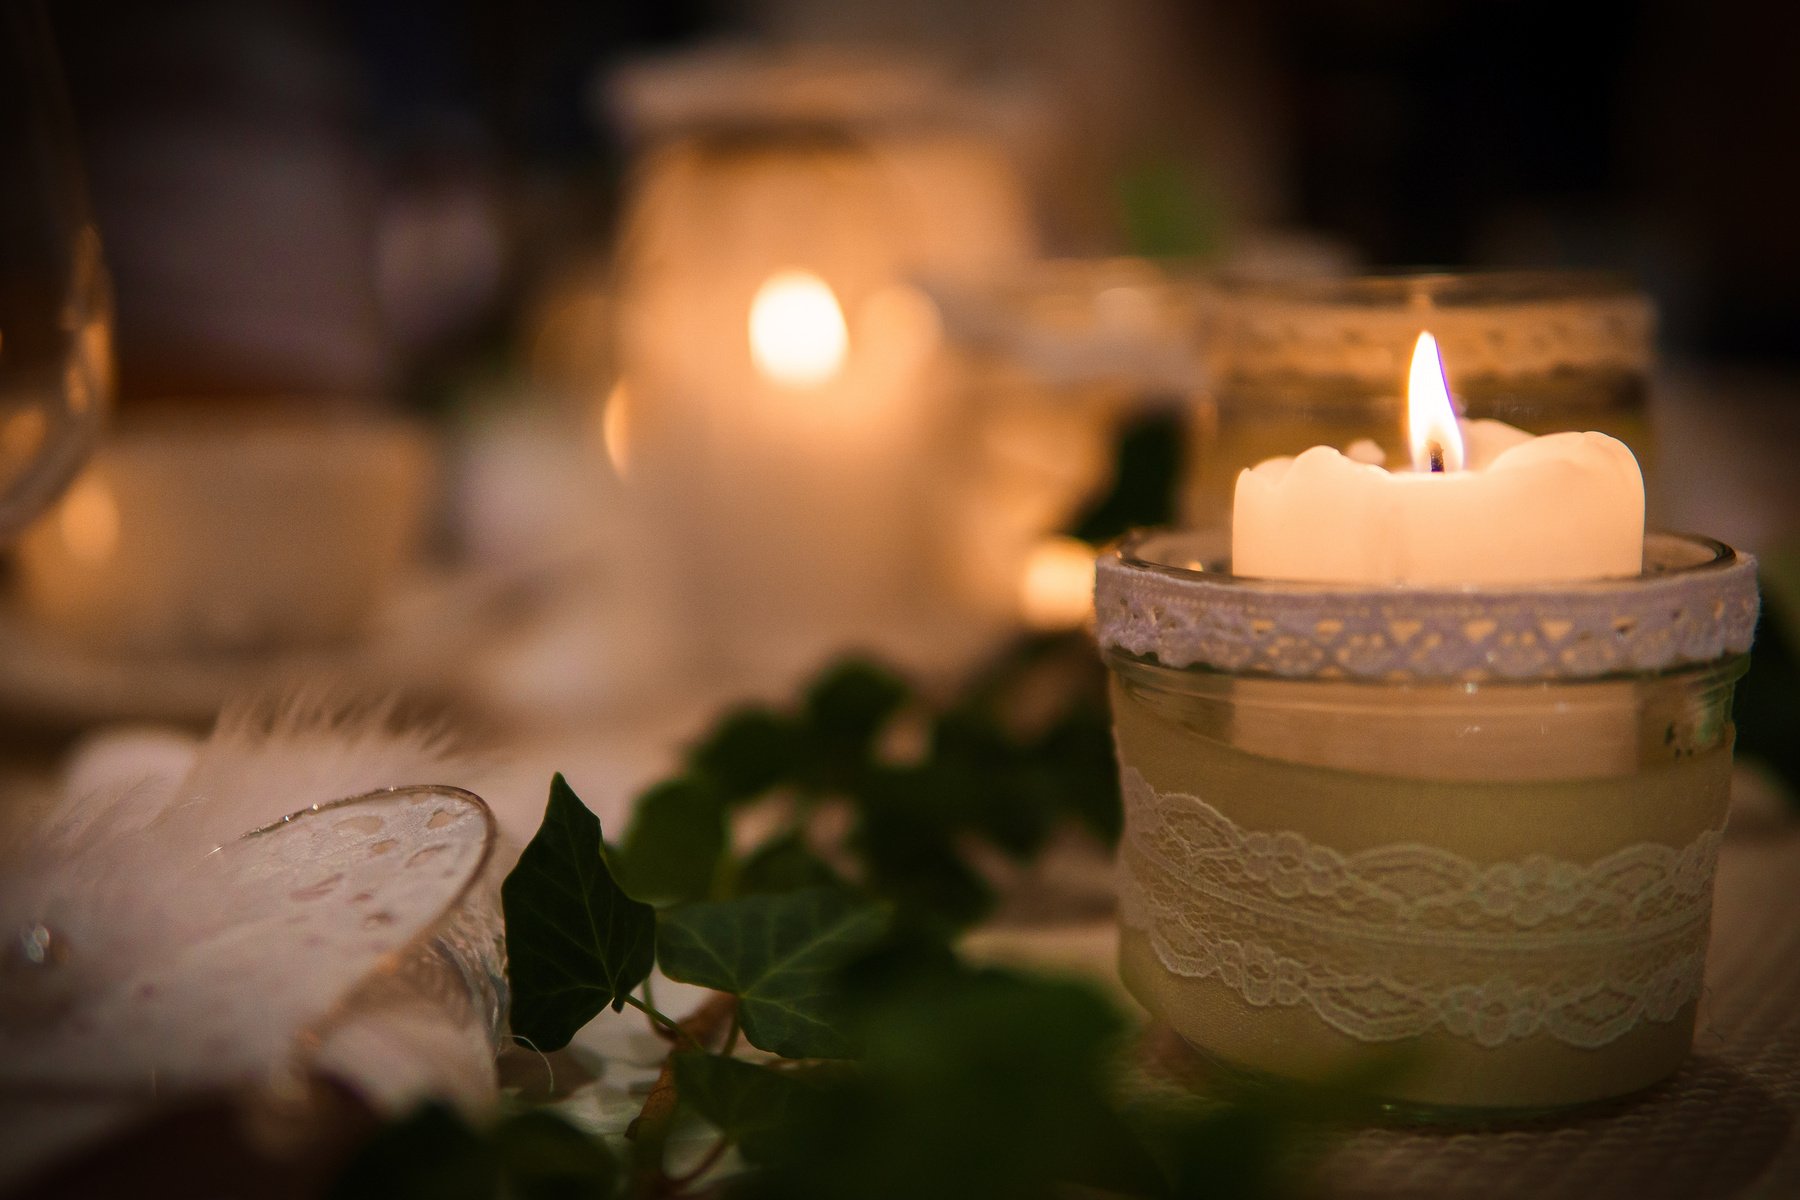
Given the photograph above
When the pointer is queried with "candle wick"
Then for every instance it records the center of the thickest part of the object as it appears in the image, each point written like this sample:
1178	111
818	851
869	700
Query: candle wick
1437	457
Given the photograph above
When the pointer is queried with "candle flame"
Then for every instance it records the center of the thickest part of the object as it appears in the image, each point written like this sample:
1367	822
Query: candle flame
798	337
1437	443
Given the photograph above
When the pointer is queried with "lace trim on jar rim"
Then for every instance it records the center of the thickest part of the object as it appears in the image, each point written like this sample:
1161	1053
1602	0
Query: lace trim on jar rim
1168	596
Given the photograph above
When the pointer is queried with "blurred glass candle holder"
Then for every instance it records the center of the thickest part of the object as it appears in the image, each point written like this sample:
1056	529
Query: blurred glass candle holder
1046	366
359	940
775	354
1316	362
1468	832
56	363
202	531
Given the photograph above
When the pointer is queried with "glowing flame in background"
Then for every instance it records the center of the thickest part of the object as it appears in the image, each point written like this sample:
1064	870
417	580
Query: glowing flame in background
1056	590
1430	418
798	337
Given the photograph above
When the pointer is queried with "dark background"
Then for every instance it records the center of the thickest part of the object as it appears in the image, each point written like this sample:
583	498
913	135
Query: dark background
255	158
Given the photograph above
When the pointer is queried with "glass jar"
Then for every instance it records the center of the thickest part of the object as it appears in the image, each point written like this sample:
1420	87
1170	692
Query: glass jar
1048	366
1324	362
56	367
1465	837
777	357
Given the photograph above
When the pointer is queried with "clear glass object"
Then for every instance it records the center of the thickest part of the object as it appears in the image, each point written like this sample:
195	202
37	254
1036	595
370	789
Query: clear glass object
55	302
1323	362
359	940
1047	366
1464	838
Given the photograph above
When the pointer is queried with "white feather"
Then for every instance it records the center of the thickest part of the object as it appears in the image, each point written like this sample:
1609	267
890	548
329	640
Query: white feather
122	893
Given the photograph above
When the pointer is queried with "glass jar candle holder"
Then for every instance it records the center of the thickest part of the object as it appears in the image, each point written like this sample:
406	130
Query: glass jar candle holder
778	362
1047	366
1306	363
1463	835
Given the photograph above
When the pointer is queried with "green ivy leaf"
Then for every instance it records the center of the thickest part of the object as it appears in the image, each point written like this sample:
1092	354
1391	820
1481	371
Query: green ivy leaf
1078	752
543	1157
748	752
432	1154
428	1154
784	864
847	706
1147	472
672	848
972	1086
992	788
1767	708
1171	210
749	1104
1220	1151
908	843
575	942
779	955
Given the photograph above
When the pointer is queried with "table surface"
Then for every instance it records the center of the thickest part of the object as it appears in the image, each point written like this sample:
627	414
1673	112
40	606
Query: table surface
1723	1127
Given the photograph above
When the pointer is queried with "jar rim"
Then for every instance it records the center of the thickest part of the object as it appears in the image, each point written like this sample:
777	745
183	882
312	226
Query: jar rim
1696	601
1441	287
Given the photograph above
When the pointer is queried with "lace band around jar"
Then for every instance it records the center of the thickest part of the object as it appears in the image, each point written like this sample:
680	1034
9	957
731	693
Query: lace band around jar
1403	940
1496	325
1167	596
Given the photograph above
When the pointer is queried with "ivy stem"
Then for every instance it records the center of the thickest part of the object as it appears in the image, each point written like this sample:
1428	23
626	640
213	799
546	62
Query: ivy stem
708	1161
665	1026
650	1130
731	1034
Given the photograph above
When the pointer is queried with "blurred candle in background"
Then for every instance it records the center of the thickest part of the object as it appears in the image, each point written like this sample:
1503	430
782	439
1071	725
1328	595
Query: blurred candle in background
1317	362
776	351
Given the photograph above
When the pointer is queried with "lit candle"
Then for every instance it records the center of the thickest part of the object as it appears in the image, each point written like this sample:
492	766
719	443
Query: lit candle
1483	503
789	434
1279	828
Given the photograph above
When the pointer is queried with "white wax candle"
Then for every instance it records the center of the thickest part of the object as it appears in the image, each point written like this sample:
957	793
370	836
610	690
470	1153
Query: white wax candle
1507	507
1513	508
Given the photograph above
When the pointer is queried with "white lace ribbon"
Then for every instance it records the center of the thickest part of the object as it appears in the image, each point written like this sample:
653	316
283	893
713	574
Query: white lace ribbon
1407	939
1696	603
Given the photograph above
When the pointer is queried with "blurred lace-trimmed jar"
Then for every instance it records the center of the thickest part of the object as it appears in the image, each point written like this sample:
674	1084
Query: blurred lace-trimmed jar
1051	365
776	354
1315	363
